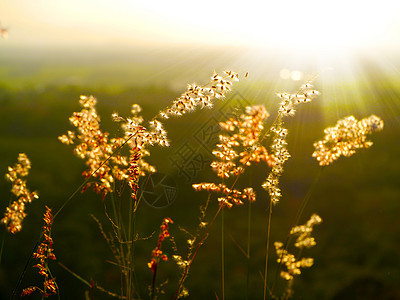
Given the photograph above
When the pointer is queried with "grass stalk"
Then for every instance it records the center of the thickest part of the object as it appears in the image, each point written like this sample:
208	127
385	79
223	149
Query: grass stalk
296	221
248	238
267	248
52	277
195	252
118	234
74	274
223	254
153	282
130	248
248	250
89	177
24	270
131	242
3	239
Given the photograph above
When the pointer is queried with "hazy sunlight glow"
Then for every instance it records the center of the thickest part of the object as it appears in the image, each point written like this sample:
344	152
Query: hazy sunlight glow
308	26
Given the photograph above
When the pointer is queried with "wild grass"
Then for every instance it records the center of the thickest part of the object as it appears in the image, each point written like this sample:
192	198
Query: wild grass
116	165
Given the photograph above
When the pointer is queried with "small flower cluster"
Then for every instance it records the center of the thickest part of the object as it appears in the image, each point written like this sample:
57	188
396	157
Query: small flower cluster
290	101
287	108
43	253
181	263
201	95
345	138
281	155
291	263
15	213
245	132
138	137
96	147
304	239
231	196
93	145
157	253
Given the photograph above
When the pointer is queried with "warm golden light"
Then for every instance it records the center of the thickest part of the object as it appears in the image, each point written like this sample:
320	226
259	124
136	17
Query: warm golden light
326	28
310	26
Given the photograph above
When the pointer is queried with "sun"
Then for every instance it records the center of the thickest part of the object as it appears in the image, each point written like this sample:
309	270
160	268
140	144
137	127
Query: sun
325	28
312	27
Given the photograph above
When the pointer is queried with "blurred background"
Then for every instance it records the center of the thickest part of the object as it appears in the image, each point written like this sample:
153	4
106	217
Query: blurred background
126	52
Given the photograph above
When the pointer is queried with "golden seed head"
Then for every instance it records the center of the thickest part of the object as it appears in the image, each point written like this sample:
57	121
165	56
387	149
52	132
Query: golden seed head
345	138
15	213
201	96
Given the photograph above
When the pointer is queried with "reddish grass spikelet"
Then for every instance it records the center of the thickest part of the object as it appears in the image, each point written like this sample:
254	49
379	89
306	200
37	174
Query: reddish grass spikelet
134	173
29	290
157	254
43	253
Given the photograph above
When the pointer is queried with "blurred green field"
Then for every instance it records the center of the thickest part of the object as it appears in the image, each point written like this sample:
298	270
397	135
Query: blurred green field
358	198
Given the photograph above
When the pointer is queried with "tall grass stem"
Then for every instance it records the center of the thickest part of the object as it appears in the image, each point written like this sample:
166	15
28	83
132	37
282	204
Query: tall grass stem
248	250
195	252
267	248
296	221
223	254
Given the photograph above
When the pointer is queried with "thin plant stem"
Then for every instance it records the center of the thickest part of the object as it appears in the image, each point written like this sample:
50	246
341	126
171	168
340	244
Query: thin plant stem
267	248
26	266
118	234
131	240
223	254
130	248
248	250
248	239
52	277
121	246
3	239
195	252
308	196
89	177
153	282
74	274
296	221
91	284
136	285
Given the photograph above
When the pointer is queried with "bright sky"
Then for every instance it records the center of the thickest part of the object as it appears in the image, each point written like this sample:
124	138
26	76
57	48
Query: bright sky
311	36
303	26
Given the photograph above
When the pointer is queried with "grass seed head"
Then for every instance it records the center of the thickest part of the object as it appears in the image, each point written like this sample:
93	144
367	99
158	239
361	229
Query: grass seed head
15	212
345	138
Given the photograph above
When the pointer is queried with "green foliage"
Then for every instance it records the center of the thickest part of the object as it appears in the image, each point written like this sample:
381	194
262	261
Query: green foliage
358	199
